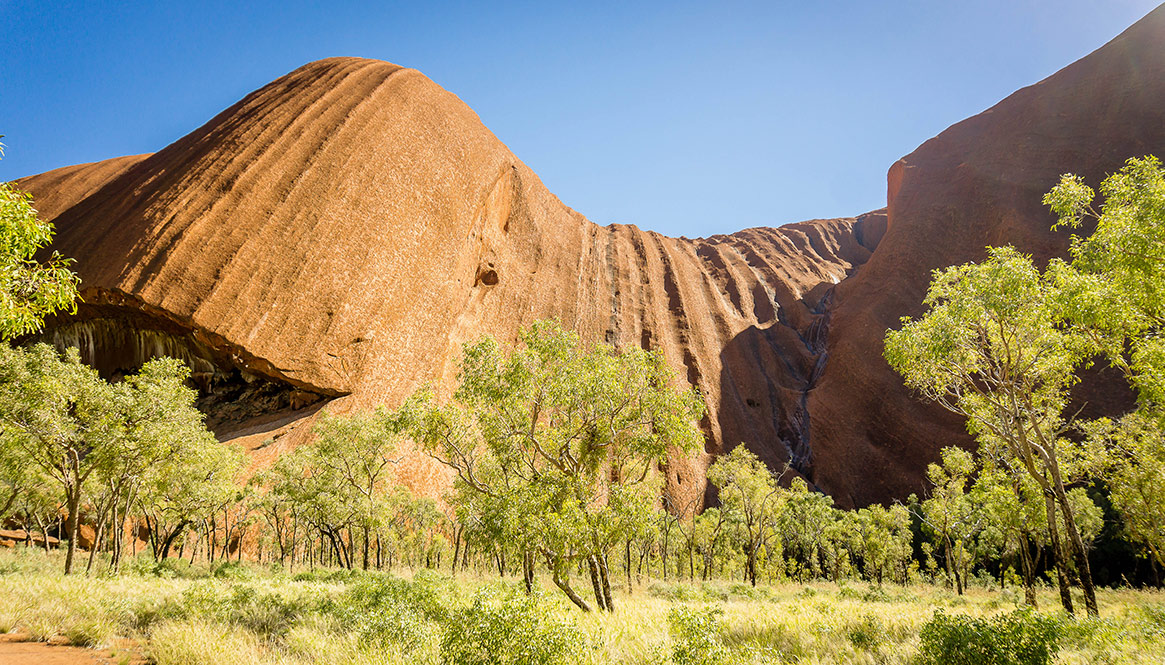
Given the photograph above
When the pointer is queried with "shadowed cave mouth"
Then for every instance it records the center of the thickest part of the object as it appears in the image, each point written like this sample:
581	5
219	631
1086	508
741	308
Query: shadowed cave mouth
116	335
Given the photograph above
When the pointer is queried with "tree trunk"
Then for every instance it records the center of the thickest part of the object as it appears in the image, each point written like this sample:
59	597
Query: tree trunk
456	551
564	585
593	566
170	539
605	577
528	571
1077	544
97	534
365	548
1027	567
1058	556
629	566
74	507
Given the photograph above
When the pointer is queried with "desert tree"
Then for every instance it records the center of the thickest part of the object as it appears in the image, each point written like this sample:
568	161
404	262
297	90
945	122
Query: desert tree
559	445
749	490
30	289
994	347
949	514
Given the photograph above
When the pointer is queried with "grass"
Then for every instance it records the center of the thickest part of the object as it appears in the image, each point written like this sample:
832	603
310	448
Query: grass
183	615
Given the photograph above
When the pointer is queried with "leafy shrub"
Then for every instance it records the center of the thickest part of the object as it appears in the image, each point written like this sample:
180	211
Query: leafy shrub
231	570
867	633
428	593
501	627
676	592
1022	637
327	575
696	636
396	614
848	592
267	613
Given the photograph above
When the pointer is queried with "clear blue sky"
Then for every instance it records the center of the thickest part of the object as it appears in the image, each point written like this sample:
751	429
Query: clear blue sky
690	118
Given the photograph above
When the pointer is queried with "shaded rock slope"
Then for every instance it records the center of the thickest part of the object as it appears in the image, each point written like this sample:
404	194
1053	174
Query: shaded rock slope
978	183
335	236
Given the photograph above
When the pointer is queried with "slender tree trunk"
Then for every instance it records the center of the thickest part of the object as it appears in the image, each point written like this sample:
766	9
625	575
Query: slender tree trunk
365	548
170	538
629	589
1077	544
605	577
74	508
44	532
593	566
1027	567
564	585
97	534
1058	556
528	571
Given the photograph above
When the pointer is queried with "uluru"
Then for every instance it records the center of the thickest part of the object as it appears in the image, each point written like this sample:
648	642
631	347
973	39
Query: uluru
335	236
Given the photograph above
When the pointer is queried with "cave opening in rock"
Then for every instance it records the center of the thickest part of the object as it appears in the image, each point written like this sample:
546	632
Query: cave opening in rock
233	386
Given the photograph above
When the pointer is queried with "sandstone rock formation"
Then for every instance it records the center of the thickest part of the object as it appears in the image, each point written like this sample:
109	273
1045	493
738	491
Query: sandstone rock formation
978	183
336	235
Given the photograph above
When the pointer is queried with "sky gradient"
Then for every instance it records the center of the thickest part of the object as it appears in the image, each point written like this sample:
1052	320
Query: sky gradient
688	118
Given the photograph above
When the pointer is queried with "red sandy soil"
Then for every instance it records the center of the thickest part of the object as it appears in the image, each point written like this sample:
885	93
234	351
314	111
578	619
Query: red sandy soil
14	650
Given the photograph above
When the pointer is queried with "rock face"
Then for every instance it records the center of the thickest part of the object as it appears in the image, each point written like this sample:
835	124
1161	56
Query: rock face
978	183
336	235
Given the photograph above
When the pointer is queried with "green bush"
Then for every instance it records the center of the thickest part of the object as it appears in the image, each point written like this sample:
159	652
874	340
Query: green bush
231	570
695	634
329	575
1022	637
501	627
866	634
428	593
389	612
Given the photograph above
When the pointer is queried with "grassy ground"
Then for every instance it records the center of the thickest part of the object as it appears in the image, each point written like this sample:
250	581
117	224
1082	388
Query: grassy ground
187	616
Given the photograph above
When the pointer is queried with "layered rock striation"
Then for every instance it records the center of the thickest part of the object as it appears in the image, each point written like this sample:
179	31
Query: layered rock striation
334	237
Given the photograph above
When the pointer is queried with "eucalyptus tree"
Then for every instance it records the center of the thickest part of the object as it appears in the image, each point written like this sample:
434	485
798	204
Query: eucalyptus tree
1116	288
1015	511
948	513
163	444
30	289
993	347
57	413
881	539
1137	480
805	522
351	461
750	490
557	446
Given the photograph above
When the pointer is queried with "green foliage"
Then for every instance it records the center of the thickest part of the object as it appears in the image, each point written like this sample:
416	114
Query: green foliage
1022	637
1118	279
866	634
501	627
996	347
102	446
696	635
556	447
29	289
750	494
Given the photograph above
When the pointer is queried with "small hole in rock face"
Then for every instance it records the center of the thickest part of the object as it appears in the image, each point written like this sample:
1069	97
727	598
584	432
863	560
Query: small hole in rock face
751	402
488	277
